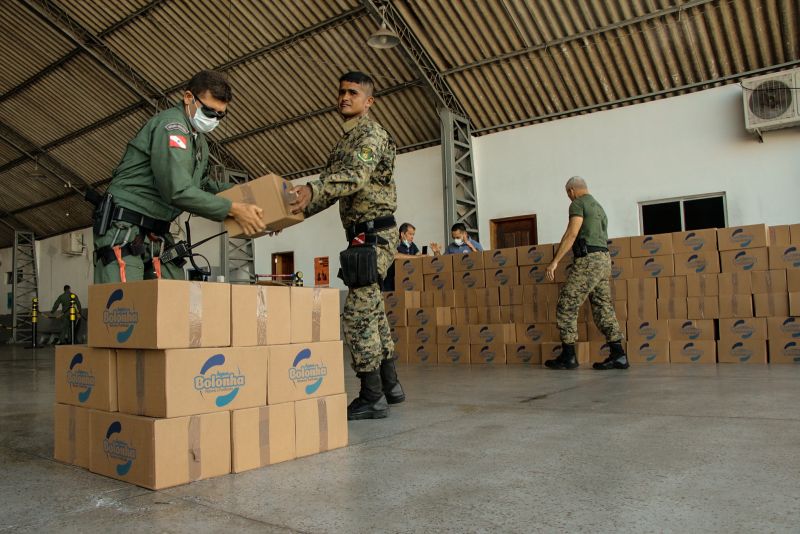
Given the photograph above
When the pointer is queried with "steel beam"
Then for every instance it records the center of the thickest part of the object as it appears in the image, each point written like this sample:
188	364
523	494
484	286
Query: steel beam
25	285
458	169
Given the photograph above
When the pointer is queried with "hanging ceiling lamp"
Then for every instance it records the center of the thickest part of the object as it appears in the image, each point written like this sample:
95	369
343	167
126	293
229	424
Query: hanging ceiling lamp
384	37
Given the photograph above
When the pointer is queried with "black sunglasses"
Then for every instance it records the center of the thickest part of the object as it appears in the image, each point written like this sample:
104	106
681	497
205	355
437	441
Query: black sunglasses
211	113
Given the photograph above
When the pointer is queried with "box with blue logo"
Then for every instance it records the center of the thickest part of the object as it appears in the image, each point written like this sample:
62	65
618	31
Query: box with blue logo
424	353
305	370
429	316
751	259
315	314
742	329
86	377
488	353
742	351
437	264
621	268
782	351
259	315
453	353
262	436
500	258
71	434
452	334
469	279
438	281
643	351
648	331
159	314
422	334
533	274
273	195
653	266
400	339
551	351
179	382
468	262
695	241
524	353
691	329
159	453
320	424
600	350
502	276
535	255
701	262
743	237
536	332
492	333
785	257
651	245
619	248
693	351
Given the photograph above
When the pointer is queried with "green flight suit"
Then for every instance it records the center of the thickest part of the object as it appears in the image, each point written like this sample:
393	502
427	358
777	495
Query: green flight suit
359	175
63	301
162	174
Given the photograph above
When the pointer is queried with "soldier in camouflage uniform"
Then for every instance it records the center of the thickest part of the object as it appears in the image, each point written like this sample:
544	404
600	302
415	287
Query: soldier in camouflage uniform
163	173
359	175
589	277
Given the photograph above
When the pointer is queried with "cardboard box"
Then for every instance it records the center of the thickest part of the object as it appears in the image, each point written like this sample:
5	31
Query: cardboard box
397	318
438	281
619	289
742	237
532	274
738	283
450	353
794	304
693	352
641	310
651	245
489	353
429	316
691	329
466	316
619	248
539	303
500	258
771	304
731	330
622	269
401	300
400	339
260	315
262	436
599	351
786	257
460	298
492	333
705	262
536	333
321	424
179	382
648	352
642	295
512	295
621	310
769	282
562	272
779	235
308	370
159	314
499	277
535	255
695	241
731	306
640	332
273	195
160	453
71	434
315	314
512	314
794	234
483	298
409	282
86	377
452	334
653	266
446	298
672	287
524	353
422	334
782	351
594	334
490	315
469	279
793	280
702	285
743	351
672	308
410	266
752	259
427	299
437	264
551	351
423	353
468	262
702	307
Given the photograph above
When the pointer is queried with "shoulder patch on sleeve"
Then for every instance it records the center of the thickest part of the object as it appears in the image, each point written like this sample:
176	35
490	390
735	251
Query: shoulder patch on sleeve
366	154
177	141
176	126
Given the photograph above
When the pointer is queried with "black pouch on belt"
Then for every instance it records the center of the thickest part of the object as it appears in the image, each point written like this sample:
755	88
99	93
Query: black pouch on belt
579	249
359	266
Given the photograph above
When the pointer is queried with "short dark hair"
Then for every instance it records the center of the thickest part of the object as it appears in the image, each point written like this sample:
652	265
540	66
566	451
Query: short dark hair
66	288
459	226
213	82
405	226
359	78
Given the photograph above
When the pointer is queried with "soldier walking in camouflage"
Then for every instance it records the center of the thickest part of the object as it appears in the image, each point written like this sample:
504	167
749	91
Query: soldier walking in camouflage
359	175
587	235
163	173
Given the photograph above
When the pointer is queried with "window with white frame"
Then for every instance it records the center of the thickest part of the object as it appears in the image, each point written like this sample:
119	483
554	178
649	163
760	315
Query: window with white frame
683	213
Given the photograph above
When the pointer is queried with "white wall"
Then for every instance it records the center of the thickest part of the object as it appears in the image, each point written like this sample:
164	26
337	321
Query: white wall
685	145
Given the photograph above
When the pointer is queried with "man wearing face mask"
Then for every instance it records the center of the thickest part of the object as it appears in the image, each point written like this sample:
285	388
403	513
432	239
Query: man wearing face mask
462	243
406	248
162	174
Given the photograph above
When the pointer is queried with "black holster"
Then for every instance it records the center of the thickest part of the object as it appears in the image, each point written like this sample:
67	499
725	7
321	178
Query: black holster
359	266
579	248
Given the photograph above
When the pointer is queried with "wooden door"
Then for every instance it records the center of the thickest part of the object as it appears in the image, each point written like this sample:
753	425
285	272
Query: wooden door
283	263
514	232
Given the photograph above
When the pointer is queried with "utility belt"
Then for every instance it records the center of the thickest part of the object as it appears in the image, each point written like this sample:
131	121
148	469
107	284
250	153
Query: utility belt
580	249
359	262
106	212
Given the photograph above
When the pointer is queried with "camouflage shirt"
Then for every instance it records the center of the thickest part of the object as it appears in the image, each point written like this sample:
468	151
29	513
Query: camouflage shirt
359	174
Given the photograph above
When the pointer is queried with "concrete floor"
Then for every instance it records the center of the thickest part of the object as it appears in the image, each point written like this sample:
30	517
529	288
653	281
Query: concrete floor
504	449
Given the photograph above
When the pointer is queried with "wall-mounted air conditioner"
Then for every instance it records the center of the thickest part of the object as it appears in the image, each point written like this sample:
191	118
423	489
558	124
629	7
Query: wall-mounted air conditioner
771	101
72	244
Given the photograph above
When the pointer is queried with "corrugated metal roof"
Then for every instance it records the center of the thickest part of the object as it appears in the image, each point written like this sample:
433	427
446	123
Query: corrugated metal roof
508	62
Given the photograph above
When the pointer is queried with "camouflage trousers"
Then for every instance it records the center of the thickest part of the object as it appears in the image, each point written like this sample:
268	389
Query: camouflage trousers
589	278
136	267
366	329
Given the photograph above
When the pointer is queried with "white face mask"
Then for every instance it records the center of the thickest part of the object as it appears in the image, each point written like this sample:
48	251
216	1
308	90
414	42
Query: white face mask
458	242
201	123
406	242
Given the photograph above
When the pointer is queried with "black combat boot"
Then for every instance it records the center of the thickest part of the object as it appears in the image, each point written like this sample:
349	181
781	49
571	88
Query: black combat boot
616	360
565	360
391	385
371	402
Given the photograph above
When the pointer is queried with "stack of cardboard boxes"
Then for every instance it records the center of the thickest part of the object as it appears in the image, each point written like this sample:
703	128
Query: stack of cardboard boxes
183	381
682	297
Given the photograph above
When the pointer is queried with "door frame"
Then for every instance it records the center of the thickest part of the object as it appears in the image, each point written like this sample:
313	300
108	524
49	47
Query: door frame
273	257
493	227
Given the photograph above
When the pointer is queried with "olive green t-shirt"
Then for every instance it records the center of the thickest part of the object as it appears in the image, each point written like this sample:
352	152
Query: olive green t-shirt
595	223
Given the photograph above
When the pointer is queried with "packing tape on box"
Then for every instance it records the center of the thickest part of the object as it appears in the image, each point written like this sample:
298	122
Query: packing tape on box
195	314
195	450
322	406
734	283
71	422
263	435
139	382
247	194
702	307
261	316
316	314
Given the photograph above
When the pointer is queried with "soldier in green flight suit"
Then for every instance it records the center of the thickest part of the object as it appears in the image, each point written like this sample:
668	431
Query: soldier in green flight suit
359	175
63	301
162	174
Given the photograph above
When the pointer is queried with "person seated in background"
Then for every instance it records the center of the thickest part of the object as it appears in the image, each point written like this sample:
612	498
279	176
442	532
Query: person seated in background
462	244
406	248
